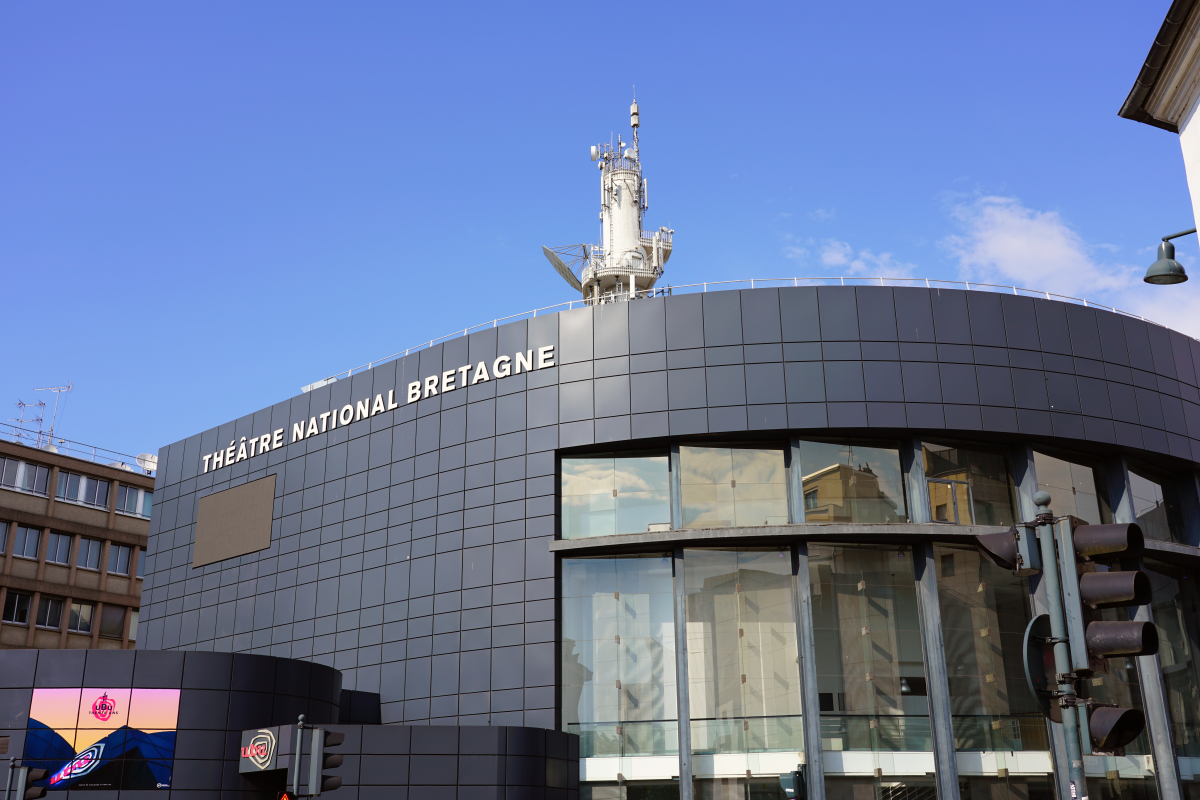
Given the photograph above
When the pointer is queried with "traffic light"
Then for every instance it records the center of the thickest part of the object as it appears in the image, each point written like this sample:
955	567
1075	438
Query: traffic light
1097	580
1013	549
793	784
25	778
320	761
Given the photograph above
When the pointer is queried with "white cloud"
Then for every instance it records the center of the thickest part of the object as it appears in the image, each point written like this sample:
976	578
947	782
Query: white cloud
1004	242
1001	241
822	214
863	262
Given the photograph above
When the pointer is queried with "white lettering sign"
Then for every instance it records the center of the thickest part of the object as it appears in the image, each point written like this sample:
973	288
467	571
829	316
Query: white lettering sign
436	384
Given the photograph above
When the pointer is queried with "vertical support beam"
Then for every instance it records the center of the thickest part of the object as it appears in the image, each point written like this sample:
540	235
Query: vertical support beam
795	487
1025	478
810	702
940	724
681	667
676	490
1154	690
913	463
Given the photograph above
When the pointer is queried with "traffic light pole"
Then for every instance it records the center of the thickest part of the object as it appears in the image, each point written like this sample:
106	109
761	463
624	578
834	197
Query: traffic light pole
1062	653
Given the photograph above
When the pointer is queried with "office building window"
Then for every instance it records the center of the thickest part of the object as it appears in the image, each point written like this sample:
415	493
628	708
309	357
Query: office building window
1075	489
80	620
135	501
849	482
28	540
985	610
58	549
133	624
118	559
112	622
870	669
23	476
968	486
733	486
742	657
604	495
89	554
141	564
49	614
16	607
618	656
76	488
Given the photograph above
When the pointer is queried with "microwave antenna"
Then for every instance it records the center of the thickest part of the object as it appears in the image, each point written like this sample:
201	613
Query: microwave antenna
627	261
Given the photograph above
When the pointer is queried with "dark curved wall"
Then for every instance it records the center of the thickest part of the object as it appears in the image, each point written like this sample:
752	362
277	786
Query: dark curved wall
410	550
221	694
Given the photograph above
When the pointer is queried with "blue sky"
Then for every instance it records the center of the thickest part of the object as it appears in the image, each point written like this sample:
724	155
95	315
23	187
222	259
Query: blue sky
204	206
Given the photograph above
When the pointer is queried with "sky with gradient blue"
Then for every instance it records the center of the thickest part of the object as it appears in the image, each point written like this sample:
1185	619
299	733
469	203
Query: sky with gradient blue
205	206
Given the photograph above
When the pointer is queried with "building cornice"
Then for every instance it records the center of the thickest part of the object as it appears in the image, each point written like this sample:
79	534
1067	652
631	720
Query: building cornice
1167	77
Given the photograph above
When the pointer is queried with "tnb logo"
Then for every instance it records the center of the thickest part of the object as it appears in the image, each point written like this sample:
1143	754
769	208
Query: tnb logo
104	708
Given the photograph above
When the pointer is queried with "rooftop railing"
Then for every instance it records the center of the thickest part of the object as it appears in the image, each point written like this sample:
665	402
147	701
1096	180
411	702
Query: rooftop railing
748	283
40	440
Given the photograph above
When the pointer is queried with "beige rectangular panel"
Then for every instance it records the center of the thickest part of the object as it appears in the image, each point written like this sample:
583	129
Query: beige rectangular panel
234	522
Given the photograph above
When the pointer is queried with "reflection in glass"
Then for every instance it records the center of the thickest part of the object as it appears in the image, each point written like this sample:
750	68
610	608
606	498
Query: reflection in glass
1122	788
985	610
726	487
870	670
618	656
743	672
846	482
605	495
1076	489
968	487
1156	515
1176	608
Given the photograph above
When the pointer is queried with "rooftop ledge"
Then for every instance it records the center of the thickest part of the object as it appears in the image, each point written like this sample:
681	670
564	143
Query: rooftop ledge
748	283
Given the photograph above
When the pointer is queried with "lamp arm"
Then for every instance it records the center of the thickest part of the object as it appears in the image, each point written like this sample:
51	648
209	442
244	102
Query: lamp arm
1177	235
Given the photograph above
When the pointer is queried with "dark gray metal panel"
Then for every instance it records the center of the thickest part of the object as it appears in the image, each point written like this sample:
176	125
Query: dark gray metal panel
1085	334
760	316
914	314
986	319
799	315
882	381
1052	327
1020	322
839	313
843	381
685	321
876	313
576	328
950	320
722	318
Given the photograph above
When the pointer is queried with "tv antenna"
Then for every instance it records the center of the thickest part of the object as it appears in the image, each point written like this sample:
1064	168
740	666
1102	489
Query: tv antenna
58	393
41	408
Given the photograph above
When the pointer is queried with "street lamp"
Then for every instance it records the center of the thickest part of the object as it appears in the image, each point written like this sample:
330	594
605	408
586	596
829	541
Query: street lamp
1167	270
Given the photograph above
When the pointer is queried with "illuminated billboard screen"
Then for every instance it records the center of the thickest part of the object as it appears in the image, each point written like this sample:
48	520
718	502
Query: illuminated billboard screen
103	738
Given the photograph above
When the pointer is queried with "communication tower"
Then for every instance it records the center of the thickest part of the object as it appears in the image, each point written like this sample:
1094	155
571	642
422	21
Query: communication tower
628	260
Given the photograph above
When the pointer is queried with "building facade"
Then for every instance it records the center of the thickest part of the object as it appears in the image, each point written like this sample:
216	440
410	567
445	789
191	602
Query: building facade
74	535
714	535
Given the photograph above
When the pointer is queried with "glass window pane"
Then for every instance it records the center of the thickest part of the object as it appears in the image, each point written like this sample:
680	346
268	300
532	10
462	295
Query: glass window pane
724	487
991	488
133	623
743	670
61	490
141	564
28	541
72	486
16	608
618	656
123	497
614	494
870	669
1156	515
102	493
112	622
49	613
81	617
147	503
1076	489
9	475
985	610
846	482
1176	608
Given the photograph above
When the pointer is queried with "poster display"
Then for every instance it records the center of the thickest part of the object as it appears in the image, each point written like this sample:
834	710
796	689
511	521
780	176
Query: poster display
98	738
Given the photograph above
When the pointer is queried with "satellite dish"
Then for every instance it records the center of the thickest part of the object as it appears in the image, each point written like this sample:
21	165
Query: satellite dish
50	448
562	269
595	153
121	465
147	461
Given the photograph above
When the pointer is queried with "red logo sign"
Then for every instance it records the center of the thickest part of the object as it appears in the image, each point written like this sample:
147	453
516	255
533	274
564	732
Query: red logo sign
104	708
